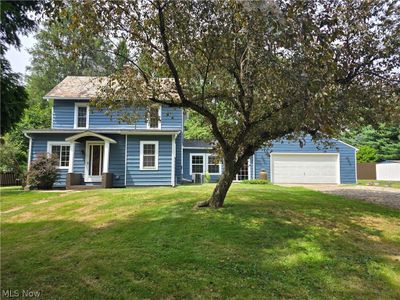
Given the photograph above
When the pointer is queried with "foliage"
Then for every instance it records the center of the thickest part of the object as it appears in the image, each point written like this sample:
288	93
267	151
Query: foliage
18	17
13	96
272	242
9	157
255	181
37	115
207	177
43	171
60	50
196	127
366	154
257	71
121	55
385	139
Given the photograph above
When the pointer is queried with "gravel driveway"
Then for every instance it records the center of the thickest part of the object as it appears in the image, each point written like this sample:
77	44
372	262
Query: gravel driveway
380	195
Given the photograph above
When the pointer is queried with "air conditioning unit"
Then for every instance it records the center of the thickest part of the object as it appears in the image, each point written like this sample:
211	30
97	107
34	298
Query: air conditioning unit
198	178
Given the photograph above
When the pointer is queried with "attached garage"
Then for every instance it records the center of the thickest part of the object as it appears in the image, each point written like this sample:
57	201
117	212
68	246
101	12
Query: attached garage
305	168
325	162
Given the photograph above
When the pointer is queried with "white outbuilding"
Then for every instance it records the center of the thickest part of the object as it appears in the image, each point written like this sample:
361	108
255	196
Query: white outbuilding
388	170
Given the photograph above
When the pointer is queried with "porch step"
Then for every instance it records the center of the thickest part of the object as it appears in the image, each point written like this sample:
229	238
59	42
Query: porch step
84	187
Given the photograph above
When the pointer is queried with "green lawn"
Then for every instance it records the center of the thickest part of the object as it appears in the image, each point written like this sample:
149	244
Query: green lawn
268	242
392	184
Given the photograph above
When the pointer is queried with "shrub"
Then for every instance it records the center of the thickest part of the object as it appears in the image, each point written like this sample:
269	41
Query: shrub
9	157
207	177
367	154
43	171
256	181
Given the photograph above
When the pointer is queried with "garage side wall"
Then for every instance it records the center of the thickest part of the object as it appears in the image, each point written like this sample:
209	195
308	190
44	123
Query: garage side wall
347	156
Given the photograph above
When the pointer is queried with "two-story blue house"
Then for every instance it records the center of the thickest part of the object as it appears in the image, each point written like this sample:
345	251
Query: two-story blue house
94	149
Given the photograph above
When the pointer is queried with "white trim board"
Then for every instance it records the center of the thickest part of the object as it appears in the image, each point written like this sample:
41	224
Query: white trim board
87	177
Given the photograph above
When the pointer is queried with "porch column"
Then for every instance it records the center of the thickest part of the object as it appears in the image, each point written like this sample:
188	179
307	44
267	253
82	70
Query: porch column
106	156
71	157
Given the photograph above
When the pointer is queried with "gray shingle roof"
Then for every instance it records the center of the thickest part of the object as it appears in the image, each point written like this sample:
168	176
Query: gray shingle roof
196	144
76	87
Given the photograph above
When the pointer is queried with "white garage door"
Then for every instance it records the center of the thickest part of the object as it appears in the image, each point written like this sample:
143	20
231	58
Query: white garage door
305	168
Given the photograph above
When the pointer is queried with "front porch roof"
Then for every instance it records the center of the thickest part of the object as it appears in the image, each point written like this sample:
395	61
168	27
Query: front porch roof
87	133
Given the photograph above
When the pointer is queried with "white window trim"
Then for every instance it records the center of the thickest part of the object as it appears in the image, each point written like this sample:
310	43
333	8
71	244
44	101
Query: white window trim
220	165
142	143
87	177
197	154
159	120
81	104
50	144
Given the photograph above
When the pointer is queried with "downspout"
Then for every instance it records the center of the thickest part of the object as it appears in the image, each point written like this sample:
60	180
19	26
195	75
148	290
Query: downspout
29	150
173	159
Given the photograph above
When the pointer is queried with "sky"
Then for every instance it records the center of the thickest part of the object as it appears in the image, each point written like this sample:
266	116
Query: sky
20	59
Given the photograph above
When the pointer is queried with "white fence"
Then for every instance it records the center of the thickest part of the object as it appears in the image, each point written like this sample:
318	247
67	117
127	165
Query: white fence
388	171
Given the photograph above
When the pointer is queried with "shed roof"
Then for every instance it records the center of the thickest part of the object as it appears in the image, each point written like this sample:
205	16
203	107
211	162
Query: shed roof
196	144
390	161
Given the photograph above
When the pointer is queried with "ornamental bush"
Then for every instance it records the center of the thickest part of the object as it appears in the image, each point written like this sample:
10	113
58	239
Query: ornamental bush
43	171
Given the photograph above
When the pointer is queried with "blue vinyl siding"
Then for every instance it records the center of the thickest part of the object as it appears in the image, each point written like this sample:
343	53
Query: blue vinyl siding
117	159
347	156
64	114
162	176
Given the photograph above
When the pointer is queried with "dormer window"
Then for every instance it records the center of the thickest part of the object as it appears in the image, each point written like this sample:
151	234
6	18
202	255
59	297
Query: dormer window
154	117
81	115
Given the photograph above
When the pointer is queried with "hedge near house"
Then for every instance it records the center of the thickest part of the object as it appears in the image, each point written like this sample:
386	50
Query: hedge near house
43	171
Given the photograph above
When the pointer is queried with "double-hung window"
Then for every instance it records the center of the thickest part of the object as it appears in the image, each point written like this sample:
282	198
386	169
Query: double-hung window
61	150
149	155
197	163
154	117
214	165
81	115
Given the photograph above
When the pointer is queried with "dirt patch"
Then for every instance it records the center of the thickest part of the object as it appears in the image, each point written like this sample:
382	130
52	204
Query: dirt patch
380	195
12	209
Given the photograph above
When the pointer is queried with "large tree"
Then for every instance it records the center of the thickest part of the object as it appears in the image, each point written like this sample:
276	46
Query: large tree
383	139
17	17
257	71
61	50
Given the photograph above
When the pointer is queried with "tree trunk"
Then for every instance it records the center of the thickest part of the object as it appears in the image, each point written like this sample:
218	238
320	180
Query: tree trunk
218	196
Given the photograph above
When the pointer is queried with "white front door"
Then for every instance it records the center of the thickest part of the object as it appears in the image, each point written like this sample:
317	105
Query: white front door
94	161
305	168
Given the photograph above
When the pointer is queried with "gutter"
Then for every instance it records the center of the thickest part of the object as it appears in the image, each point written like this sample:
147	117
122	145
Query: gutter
29	149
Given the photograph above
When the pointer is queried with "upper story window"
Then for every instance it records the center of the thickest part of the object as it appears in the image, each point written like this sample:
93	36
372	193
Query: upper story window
81	115
154	117
149	155
61	149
